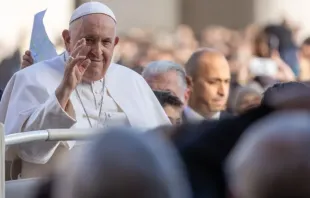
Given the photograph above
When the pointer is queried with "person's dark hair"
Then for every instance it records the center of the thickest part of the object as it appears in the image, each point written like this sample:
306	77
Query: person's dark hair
271	40
306	41
1	92
166	98
284	35
282	87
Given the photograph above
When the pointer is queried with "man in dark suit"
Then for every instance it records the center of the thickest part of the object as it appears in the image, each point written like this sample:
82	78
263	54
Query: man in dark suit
209	80
205	146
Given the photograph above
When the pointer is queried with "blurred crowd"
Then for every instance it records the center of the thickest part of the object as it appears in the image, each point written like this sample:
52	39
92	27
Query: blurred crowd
259	56
221	114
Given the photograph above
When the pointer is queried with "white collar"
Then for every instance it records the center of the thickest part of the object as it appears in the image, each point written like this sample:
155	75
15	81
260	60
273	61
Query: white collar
216	116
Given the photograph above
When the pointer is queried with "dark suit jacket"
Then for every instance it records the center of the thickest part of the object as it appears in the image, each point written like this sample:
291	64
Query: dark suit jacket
1	92
205	146
225	114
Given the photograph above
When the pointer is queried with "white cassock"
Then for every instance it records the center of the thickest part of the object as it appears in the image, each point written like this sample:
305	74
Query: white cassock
29	103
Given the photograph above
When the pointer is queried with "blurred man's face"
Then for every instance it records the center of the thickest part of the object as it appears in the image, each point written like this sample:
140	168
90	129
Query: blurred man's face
211	85
168	81
100	34
263	50
305	50
174	113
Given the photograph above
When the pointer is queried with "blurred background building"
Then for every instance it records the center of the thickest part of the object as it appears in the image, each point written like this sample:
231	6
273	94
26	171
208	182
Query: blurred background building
151	15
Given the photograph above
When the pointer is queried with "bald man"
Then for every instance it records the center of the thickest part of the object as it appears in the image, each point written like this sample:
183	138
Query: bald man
272	159
209	74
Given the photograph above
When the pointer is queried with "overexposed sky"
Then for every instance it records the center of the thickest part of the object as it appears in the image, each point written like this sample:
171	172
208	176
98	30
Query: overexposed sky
16	19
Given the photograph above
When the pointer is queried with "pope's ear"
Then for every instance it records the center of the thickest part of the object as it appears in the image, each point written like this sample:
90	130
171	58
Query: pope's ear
116	41
66	39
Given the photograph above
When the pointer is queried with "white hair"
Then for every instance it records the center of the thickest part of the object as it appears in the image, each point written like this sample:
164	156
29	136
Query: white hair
161	67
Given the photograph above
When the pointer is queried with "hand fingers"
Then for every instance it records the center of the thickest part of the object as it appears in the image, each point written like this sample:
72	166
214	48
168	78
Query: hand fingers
84	65
25	64
76	51
78	46
75	61
84	50
28	58
78	43
79	70
28	53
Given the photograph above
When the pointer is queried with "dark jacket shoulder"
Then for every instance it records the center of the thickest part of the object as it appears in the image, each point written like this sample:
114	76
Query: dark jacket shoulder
204	147
1	92
225	114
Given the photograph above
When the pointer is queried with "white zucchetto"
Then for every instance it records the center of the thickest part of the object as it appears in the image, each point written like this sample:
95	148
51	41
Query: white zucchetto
92	7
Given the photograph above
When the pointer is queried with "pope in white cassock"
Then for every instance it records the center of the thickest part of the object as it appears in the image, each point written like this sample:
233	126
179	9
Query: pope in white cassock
79	89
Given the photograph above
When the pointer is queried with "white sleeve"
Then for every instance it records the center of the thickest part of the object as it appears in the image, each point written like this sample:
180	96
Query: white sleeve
29	103
50	115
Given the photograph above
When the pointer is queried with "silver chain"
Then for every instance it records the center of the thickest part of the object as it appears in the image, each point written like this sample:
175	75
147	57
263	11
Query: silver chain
100	110
80	99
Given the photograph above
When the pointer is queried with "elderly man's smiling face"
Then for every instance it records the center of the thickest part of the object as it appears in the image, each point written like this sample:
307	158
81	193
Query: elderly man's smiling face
99	31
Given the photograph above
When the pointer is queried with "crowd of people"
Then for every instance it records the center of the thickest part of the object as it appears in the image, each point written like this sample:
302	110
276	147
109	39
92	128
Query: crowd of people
223	115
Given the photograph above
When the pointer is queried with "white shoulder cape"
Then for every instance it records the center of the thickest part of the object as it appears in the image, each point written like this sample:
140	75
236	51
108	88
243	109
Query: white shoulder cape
33	86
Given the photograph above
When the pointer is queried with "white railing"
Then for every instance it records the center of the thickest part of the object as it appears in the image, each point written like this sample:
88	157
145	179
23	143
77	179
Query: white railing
43	135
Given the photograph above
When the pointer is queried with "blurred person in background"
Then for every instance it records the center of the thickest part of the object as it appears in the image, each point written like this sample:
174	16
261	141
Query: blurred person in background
80	88
127	51
304	60
246	98
129	165
167	76
164	43
186	43
209	75
272	160
172	105
185	37
286	48
170	76
235	89
293	26
216	37
264	82
286	90
267	61
165	54
204	146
